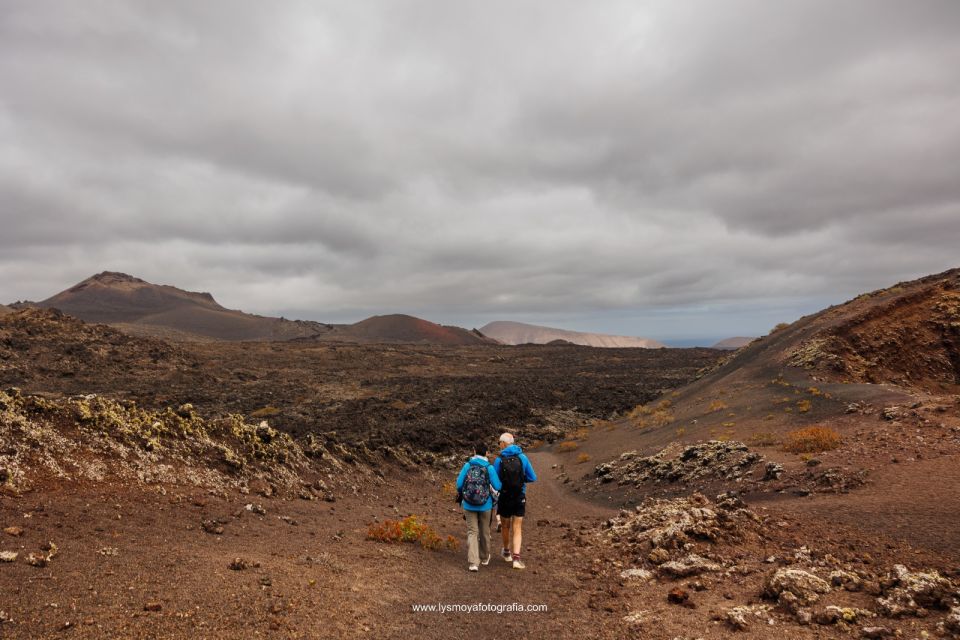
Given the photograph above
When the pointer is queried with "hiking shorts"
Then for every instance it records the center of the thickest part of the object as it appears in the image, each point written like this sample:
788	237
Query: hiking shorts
512	505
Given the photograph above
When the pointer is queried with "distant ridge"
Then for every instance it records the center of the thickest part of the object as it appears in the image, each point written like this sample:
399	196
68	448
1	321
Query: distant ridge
140	307
4	310
733	343
400	328
520	333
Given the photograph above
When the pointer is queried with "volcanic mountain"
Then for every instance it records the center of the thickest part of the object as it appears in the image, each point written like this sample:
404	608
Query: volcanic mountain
139	307
520	333
400	328
733	343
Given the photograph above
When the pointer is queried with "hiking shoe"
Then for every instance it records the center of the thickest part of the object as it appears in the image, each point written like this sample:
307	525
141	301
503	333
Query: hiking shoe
518	564
506	555
474	567
485	561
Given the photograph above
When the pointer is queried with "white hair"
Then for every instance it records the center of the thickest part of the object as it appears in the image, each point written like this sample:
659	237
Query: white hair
507	438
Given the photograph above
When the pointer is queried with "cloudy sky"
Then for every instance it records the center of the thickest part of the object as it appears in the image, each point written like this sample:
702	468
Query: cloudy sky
665	169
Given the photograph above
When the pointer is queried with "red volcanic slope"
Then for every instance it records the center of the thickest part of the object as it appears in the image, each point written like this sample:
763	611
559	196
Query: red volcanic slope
400	328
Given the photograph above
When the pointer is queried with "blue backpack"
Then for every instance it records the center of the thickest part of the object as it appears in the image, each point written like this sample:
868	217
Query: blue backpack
476	486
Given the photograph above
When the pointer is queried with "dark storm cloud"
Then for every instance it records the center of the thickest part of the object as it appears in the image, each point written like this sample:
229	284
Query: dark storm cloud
641	168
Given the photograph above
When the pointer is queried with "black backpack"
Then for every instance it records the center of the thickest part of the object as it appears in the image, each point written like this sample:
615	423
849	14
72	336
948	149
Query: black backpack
511	473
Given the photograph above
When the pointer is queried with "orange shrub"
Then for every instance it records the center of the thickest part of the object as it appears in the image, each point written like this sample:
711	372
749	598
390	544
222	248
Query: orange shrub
583	457
410	529
812	440
567	446
718	405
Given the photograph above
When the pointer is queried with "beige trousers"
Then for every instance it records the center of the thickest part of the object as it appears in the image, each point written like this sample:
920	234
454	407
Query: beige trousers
478	535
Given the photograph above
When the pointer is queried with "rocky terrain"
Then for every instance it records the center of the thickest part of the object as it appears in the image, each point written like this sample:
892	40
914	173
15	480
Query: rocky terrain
429	397
521	333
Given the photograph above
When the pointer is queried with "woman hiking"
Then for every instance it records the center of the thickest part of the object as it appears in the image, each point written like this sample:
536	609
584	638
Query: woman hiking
474	488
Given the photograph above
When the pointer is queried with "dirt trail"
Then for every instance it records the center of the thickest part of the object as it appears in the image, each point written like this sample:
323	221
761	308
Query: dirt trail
551	577
312	573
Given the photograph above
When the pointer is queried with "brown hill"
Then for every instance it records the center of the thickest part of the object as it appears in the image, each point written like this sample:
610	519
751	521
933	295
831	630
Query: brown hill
522	333
733	343
4	310
400	328
140	307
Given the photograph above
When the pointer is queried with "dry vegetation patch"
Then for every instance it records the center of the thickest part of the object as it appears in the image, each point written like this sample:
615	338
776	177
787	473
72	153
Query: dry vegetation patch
812	440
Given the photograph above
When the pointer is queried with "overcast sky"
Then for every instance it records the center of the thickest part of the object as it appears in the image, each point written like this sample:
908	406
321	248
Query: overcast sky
665	169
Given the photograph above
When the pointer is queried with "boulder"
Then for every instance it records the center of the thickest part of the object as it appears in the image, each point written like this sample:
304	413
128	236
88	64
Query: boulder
805	587
911	593
690	565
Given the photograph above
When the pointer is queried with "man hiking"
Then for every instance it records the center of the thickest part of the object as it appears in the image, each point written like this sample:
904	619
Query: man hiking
473	490
515	471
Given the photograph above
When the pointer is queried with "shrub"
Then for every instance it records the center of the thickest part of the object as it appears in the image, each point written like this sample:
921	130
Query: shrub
567	446
718	405
583	457
579	434
661	418
265	412
410	529
449	489
803	406
812	440
639	411
780	327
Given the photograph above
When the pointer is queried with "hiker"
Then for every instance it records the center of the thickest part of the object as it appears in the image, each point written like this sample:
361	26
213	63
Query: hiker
474	492
515	471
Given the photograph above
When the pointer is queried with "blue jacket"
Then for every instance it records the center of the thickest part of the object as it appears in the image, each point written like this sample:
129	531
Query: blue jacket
494	482
514	450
